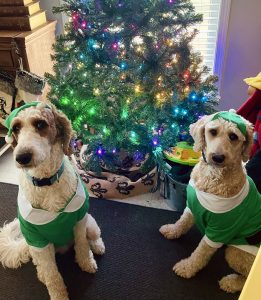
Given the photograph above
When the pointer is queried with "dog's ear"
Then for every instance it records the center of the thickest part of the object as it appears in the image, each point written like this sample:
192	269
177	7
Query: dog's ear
247	145
64	130
197	131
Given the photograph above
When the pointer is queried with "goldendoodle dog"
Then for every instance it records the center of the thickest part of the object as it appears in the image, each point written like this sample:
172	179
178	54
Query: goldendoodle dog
221	199
52	200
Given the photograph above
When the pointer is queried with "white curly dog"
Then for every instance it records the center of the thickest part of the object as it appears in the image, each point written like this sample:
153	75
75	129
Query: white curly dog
52	200
222	201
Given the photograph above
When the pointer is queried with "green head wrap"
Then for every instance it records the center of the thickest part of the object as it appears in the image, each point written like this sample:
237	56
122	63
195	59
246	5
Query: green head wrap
232	117
13	114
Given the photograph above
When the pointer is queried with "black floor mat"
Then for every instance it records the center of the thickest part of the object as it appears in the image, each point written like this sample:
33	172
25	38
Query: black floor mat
137	263
2	142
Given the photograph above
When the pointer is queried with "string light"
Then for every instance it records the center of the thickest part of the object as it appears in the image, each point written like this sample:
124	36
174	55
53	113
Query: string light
96	92
100	151
132	134
137	88
174	59
169	42
80	65
75	16
139	49
187	89
184	112
115	46
193	96
92	111
105	130
123	76
204	99
84	24
65	101
123	65
186	75
124	113
155	141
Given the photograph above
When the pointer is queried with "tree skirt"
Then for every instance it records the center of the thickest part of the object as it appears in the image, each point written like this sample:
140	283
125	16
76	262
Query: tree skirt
125	183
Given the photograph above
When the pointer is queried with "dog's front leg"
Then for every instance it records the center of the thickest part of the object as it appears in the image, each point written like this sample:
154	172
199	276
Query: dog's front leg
48	273
182	226
83	253
188	267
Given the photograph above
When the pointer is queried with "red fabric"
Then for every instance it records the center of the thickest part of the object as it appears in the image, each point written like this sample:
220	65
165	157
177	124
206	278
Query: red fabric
251	110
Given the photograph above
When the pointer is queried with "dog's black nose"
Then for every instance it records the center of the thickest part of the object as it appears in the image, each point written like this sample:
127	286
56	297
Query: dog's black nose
218	158
24	158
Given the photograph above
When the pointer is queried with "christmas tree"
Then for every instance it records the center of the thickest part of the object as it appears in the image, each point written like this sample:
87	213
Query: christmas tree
127	78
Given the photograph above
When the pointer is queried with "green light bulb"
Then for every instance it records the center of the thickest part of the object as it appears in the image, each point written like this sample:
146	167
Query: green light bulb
92	111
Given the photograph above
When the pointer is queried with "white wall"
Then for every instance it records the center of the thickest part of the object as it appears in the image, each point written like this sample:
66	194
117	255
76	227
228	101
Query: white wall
243	51
47	5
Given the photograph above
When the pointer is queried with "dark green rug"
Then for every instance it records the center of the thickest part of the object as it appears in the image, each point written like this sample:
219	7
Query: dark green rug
137	263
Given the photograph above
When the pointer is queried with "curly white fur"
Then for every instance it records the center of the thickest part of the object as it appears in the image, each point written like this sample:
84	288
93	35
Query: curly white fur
48	148
224	179
14	250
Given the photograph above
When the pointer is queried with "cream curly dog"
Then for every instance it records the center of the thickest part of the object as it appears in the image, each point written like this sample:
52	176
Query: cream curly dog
52	201
221	200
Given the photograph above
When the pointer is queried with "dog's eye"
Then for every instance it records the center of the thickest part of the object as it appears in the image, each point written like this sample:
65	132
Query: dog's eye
233	137
213	132
40	124
16	128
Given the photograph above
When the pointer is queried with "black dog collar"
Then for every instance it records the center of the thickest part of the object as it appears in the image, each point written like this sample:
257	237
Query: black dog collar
47	181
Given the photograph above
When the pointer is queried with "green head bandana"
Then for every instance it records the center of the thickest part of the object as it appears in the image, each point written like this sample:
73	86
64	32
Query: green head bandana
232	117
13	114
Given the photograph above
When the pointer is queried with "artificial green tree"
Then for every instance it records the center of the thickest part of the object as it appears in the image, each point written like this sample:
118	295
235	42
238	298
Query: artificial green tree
127	77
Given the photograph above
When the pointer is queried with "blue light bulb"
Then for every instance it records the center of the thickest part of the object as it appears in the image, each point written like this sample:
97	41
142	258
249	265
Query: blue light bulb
123	65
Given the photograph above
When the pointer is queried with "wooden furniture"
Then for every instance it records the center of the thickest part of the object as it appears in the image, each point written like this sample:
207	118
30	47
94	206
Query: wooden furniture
21	15
33	47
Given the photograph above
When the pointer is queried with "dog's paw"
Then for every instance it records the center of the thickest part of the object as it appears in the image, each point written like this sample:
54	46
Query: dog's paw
170	231
88	265
57	290
97	246
184	268
232	283
59	295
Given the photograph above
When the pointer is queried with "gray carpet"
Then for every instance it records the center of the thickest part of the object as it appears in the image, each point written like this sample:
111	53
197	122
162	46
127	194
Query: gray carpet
137	264
2	142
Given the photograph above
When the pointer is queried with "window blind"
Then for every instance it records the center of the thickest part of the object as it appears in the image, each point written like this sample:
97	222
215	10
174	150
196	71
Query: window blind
206	40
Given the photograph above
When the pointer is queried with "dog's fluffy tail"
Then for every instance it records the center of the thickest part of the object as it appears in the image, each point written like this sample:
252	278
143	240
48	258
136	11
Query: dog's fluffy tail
13	248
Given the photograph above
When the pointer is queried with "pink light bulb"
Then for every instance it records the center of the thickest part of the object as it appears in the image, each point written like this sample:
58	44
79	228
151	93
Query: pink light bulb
84	24
115	46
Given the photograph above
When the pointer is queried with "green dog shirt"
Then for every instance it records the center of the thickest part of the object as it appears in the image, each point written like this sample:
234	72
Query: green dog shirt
232	221
41	227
